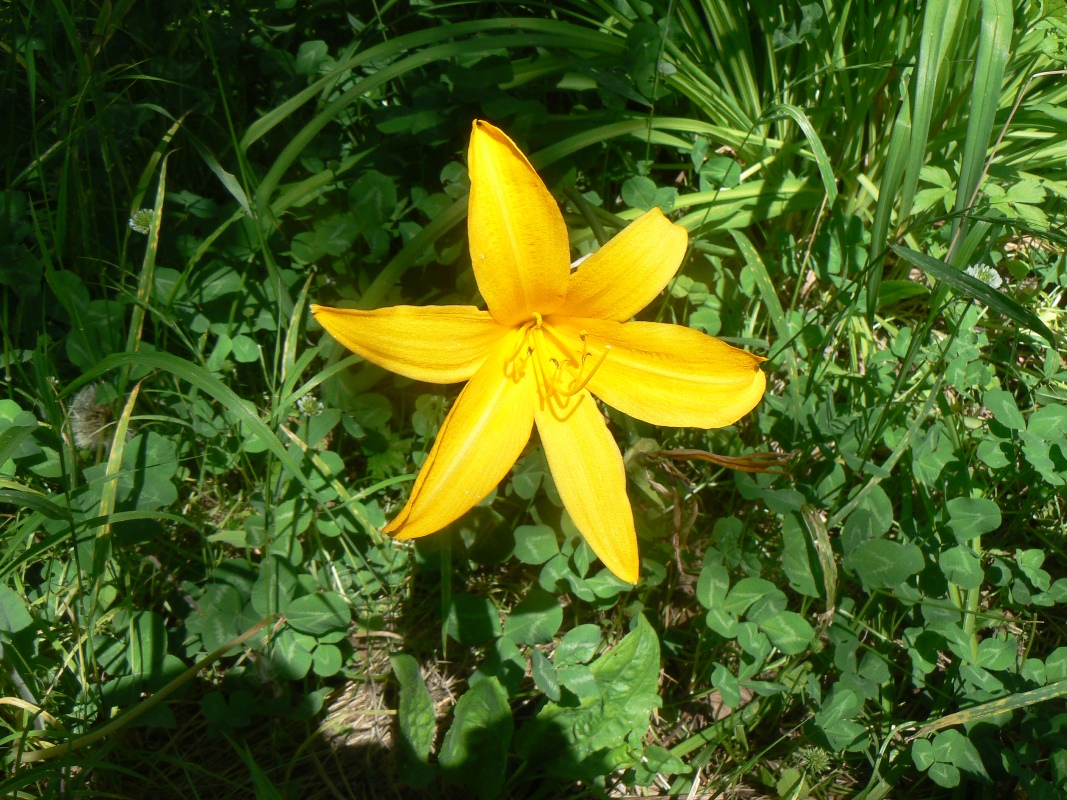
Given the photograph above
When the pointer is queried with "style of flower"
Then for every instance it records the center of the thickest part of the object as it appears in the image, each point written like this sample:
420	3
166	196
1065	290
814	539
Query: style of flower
550	341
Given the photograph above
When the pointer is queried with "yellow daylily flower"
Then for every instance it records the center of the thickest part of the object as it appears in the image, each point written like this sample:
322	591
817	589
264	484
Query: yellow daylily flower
551	340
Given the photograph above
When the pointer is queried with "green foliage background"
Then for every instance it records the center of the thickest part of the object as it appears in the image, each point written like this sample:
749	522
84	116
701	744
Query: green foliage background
184	456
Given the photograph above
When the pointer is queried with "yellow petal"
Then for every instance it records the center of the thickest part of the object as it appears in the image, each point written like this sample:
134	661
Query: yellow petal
438	344
627	273
481	438
519	244
587	468
668	374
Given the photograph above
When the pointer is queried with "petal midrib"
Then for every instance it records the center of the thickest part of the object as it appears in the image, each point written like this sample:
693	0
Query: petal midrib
502	202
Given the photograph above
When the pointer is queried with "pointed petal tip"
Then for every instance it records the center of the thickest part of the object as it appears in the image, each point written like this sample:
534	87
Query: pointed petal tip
629	574
520	249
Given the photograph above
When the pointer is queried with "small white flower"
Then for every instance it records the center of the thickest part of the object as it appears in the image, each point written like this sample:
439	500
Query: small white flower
310	405
986	274
141	221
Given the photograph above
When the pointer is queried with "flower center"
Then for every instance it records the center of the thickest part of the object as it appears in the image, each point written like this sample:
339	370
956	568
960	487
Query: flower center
560	369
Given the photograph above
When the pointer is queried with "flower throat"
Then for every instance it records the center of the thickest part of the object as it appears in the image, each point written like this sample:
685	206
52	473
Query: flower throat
560	371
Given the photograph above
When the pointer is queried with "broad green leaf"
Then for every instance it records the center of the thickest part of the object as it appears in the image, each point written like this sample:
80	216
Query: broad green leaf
544	675
746	592
639	192
218	615
577	646
881	563
922	753
1004	409
245	349
796	558
753	641
712	585
275	586
318	613
722	622
998	654
416	720
290	659
657	761
969	517
581	681
472	620
505	662
961	567
1048	422
770	605
944	775
535	544
727	685
13	614
475	749
326	660
605	731
149	463
788	631
373	197
871	519
535	619
836	719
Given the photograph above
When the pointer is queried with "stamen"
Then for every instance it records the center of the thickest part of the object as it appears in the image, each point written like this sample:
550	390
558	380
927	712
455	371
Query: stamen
514	365
575	389
564	346
549	385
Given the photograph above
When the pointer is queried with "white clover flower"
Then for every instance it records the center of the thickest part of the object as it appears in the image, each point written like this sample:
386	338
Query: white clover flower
141	221
310	405
986	274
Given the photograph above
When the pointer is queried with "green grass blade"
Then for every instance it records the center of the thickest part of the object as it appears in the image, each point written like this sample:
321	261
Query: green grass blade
939	24
895	162
207	383
441	52
770	298
822	161
34	501
748	203
12	438
978	290
993	51
581	38
148	266
995	707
